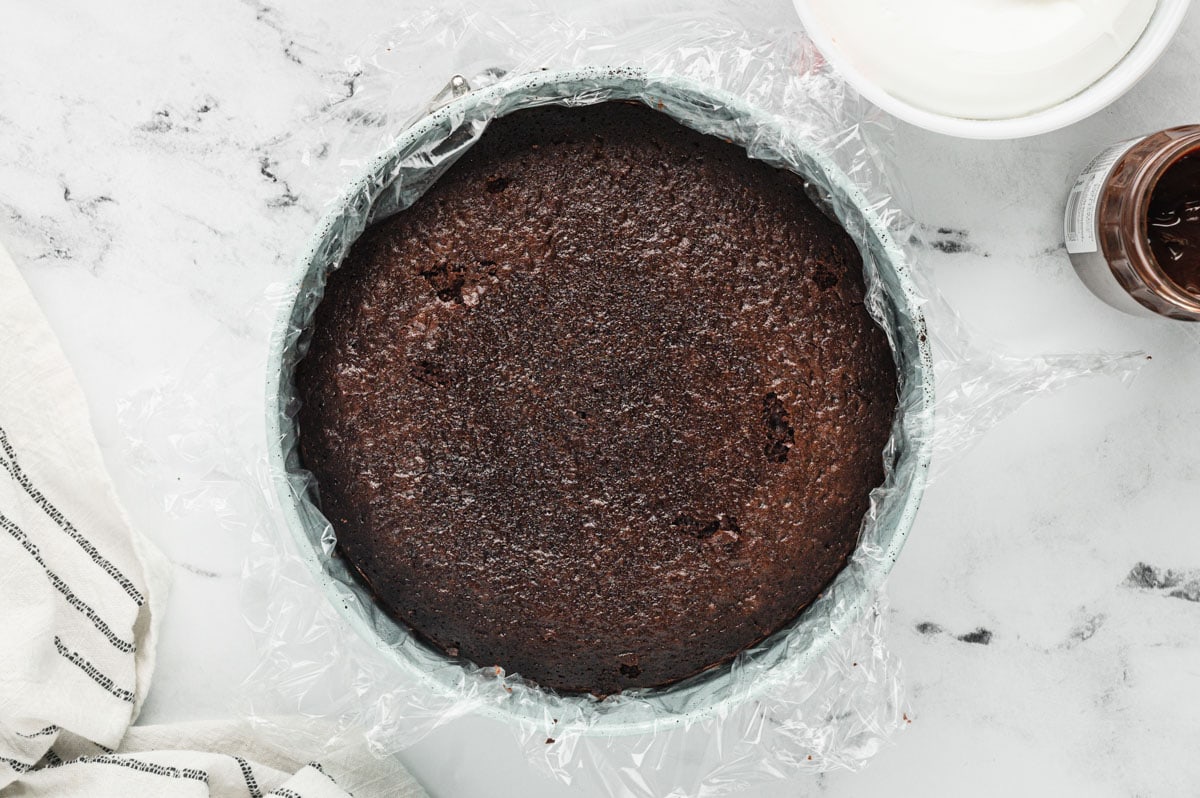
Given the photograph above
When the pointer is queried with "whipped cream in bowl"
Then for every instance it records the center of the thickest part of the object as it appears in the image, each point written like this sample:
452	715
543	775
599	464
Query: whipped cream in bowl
992	68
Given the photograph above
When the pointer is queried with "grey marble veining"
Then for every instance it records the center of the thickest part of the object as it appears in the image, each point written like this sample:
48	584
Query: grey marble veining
1047	606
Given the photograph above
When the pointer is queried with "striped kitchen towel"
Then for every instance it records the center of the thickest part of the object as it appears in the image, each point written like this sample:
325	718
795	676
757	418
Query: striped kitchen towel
211	759
81	593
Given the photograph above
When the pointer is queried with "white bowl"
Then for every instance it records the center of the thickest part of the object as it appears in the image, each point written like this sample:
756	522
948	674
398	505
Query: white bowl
1137	62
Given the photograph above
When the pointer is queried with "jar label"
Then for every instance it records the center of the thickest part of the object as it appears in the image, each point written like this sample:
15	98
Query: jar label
1083	204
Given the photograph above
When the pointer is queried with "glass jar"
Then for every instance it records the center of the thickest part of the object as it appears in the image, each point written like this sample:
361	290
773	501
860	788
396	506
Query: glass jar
1109	224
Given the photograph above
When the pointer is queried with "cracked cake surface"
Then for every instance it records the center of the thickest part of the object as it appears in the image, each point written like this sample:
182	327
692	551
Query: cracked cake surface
604	407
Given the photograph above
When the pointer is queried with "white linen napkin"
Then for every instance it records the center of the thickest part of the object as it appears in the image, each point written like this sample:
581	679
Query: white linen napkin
210	760
81	593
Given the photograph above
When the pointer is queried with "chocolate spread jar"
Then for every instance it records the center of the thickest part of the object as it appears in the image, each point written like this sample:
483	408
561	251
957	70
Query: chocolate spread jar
1133	225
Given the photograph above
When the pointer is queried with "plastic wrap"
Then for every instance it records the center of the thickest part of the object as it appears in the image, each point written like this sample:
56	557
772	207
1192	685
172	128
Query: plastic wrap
822	694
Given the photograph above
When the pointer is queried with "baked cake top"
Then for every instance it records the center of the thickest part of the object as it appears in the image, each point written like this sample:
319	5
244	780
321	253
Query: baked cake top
603	408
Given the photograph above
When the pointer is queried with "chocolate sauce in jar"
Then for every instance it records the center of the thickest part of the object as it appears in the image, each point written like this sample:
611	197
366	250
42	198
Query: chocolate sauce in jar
1174	223
1133	225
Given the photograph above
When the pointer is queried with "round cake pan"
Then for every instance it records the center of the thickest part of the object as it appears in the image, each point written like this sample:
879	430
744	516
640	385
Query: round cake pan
395	180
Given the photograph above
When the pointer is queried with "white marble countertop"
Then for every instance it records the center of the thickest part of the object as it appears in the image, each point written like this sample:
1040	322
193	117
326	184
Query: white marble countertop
135	197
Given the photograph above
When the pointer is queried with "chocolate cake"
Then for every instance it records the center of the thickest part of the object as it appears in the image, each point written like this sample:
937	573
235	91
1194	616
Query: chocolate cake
603	408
